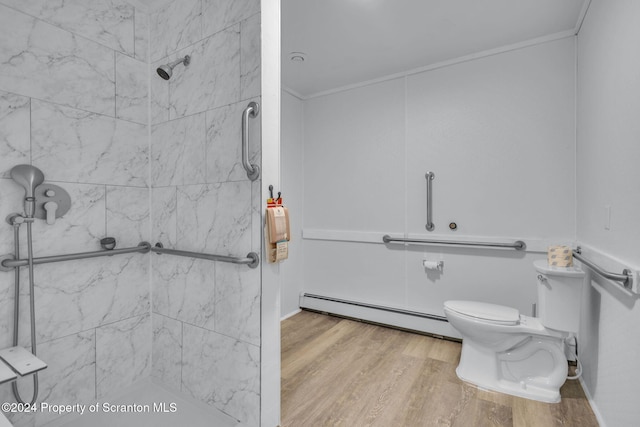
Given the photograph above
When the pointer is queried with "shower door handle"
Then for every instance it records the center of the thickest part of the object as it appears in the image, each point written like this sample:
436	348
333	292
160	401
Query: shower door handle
252	110
429	226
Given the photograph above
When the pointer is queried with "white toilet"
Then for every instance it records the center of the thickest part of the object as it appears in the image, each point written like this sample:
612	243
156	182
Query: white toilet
505	351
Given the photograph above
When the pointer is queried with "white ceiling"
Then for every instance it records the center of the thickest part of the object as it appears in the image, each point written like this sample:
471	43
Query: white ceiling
351	41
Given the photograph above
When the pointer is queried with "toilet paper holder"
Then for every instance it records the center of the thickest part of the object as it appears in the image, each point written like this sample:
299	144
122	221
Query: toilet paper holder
433	265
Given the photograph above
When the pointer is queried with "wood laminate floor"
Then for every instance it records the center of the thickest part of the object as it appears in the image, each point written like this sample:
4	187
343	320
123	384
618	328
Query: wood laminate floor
340	372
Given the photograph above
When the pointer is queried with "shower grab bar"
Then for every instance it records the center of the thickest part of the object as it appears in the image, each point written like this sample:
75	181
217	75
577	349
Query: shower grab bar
518	245
626	278
429	226
252	259
8	262
252	110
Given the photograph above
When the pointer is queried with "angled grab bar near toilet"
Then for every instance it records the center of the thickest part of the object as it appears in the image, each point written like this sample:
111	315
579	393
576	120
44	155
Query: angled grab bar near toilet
252	260
252	111
518	245
626	278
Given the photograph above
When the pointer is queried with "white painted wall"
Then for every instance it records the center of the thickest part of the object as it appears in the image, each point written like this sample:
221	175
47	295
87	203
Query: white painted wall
499	134
292	156
608	155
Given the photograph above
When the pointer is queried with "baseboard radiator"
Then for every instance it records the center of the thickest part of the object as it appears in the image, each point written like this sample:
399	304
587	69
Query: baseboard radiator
391	316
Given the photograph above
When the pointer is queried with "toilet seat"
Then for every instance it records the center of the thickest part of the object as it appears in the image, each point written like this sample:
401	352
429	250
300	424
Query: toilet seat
492	313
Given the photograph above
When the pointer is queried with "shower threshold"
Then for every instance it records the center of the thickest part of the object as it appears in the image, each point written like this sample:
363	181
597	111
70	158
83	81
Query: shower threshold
188	411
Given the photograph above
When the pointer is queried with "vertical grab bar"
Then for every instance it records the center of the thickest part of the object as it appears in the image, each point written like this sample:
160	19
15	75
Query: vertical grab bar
429	226
252	110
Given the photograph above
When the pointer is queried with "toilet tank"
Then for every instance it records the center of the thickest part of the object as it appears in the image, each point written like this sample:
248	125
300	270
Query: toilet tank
559	296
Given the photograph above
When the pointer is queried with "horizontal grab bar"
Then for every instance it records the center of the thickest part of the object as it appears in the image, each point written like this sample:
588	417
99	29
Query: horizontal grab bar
626	278
518	245
9	262
252	259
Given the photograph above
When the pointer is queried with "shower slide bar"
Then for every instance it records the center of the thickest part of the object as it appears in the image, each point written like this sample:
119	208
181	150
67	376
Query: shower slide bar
626	278
8	262
518	245
252	260
252	110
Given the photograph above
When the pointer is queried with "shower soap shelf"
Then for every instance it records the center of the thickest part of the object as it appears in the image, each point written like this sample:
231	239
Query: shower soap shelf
20	361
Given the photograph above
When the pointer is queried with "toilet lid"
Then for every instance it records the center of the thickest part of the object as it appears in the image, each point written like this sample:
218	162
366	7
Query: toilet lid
484	311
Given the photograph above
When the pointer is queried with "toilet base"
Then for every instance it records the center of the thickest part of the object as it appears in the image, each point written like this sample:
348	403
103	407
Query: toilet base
517	389
534	369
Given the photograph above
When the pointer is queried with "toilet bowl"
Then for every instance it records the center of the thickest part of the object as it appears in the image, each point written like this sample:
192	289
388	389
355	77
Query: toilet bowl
505	351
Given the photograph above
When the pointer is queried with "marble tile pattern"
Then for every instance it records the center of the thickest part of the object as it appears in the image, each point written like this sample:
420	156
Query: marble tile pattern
131	89
184	289
73	102
95	293
43	61
224	152
235	366
237	290
178	151
141	43
69	377
71	374
220	14
176	26
79	229
128	216
212	79
167	350
250	71
165	218
123	354
77	146
208	205
14	131
215	218
158	94
77	90
107	22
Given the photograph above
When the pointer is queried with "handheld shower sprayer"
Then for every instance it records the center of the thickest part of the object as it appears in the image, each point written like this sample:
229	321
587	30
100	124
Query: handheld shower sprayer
165	71
29	177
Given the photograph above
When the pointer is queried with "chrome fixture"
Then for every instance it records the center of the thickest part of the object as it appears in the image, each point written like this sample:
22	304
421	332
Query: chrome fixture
252	260
165	71
8	262
429	226
626	278
517	245
252	110
28	177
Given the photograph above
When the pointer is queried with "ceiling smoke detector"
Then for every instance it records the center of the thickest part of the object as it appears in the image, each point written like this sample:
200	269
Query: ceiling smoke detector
297	56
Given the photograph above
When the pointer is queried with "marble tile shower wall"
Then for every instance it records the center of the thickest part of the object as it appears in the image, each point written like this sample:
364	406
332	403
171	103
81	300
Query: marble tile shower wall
206	316
74	103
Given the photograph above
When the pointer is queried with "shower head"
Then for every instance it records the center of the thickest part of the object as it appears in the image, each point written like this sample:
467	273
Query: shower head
29	177
165	71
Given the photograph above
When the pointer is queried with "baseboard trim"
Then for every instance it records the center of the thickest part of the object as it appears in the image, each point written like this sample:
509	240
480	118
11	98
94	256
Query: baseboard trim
391	316
593	405
293	313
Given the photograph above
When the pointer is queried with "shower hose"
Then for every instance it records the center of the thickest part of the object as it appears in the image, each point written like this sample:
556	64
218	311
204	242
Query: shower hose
16	313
